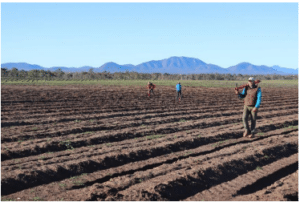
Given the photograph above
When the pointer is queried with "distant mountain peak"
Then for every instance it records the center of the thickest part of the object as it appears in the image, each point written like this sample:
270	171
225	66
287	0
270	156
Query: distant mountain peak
110	63
171	65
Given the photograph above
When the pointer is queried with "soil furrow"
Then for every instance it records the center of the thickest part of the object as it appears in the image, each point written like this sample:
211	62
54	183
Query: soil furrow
59	131
284	189
76	167
216	136
198	178
61	111
110	173
249	182
133	115
48	145
94	142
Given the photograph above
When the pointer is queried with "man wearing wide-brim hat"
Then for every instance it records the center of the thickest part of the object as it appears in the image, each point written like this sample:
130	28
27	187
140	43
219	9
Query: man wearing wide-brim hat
252	99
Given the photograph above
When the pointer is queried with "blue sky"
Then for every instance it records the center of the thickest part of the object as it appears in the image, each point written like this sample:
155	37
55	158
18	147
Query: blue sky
79	34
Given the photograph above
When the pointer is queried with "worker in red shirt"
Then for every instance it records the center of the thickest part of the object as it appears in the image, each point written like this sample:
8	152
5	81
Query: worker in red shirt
150	87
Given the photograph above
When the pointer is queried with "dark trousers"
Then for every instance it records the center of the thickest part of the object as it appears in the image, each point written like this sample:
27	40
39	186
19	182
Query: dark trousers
178	95
248	112
150	91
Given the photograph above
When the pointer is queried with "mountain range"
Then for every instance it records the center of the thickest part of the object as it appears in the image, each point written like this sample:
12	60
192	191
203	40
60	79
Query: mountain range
172	65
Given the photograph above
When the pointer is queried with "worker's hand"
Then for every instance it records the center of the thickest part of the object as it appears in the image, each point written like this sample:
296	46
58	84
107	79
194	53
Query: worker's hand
236	92
254	109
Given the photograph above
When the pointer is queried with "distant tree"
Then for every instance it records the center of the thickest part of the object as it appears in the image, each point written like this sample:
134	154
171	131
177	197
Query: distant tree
165	76
14	72
192	77
76	75
267	77
49	75
155	76
91	73
68	76
4	72
212	77
33	74
59	73
42	74
23	74
199	77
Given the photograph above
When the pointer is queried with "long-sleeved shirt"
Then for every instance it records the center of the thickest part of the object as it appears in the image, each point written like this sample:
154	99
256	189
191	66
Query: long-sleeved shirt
150	86
178	87
258	101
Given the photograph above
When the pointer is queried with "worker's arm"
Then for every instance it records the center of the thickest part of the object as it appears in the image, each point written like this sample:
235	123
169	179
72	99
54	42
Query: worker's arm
243	94
258	101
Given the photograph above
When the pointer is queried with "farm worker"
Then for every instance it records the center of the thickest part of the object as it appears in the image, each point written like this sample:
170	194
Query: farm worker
252	99
150	87
178	90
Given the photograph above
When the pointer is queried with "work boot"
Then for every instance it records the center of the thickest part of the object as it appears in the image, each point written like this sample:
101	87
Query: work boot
252	133
245	133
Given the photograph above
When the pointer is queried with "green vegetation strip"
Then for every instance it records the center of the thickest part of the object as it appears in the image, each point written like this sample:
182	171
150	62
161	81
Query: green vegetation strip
195	83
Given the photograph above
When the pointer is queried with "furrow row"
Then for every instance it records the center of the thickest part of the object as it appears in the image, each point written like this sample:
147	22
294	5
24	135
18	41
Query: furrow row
249	182
200	176
284	189
117	107
42	174
87	126
16	150
202	137
137	114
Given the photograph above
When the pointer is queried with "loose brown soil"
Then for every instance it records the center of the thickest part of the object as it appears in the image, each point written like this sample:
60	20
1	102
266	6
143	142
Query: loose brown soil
114	143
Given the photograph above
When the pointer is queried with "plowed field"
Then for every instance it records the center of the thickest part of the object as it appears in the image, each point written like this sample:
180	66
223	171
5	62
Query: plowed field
114	143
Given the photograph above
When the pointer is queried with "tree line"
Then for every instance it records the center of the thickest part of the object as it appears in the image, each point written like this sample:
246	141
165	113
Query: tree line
15	74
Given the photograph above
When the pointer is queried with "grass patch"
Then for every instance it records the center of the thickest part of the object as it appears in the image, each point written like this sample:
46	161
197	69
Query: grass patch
42	157
292	127
188	153
219	143
151	137
7	199
260	134
67	143
78	183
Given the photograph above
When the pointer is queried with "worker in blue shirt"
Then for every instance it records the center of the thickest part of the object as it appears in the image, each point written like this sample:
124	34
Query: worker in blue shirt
178	90
252	99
